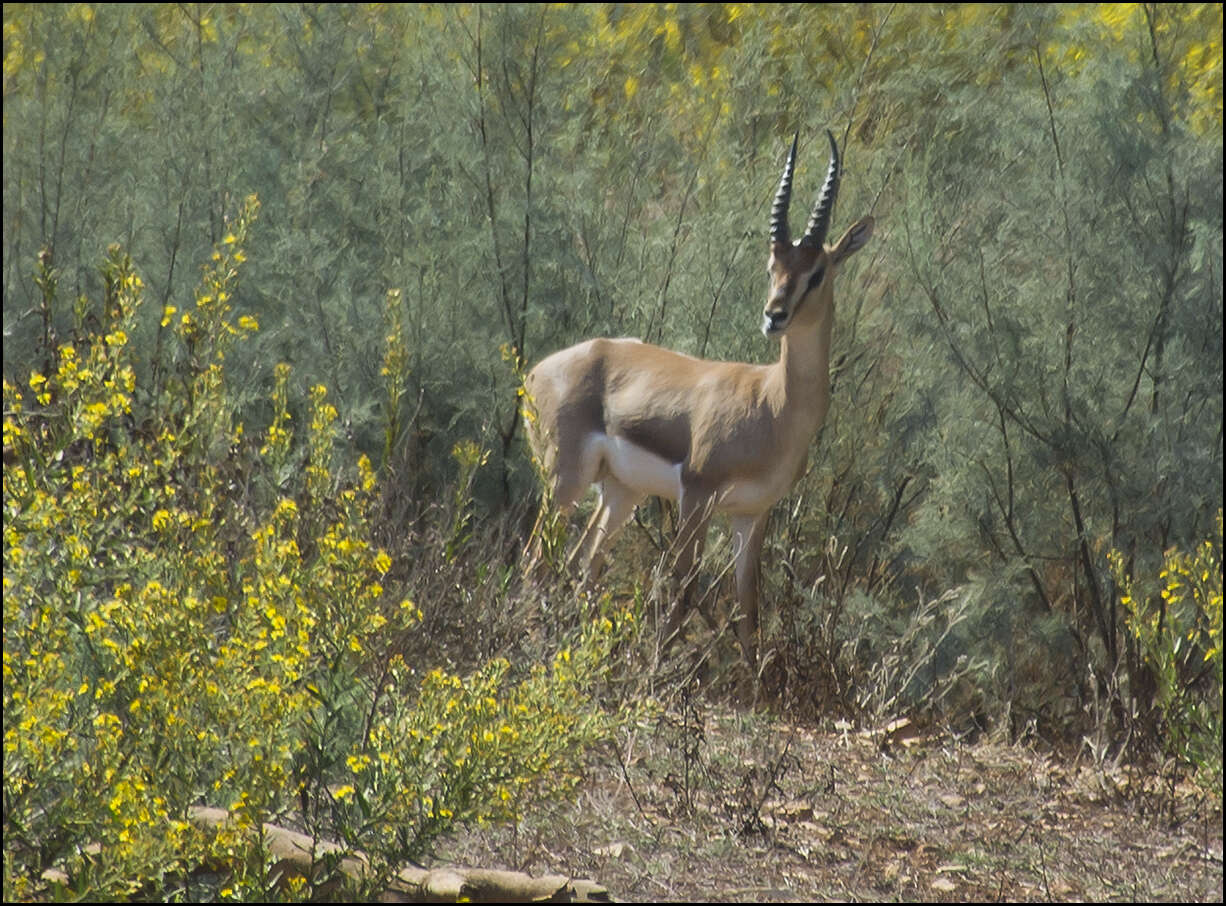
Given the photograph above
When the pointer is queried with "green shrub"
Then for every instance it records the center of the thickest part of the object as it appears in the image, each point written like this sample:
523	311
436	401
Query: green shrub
191	615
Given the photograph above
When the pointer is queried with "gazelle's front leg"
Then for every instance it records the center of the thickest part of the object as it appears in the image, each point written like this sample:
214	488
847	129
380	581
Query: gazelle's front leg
747	535
694	512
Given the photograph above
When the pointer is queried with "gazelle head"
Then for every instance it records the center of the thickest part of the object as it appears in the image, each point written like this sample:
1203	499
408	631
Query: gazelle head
804	269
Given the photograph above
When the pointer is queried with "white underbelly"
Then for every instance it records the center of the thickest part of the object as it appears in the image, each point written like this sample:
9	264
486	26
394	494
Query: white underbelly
637	467
652	475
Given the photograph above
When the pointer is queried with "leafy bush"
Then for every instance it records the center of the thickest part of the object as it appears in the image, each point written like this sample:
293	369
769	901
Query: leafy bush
193	615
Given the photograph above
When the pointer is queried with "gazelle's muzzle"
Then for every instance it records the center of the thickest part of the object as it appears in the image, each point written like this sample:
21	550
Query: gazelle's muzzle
774	321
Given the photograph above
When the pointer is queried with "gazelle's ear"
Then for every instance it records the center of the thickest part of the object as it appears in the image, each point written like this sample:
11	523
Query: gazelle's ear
853	240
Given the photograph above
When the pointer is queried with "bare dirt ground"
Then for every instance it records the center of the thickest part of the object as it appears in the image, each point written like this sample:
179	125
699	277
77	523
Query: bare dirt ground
736	808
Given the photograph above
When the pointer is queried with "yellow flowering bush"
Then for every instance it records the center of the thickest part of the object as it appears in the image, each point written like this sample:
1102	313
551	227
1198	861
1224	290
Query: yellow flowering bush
194	617
472	750
1176	627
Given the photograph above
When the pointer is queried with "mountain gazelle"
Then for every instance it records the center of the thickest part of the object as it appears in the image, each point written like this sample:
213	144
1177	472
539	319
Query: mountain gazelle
637	420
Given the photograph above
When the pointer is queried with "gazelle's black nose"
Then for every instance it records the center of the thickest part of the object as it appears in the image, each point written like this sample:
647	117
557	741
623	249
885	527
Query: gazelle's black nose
774	321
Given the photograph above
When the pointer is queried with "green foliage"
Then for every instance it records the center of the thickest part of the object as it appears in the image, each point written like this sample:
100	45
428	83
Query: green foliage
1178	634
189	617
1027	365
1066	344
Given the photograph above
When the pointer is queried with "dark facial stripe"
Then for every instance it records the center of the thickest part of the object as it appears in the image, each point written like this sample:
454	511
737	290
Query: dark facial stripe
816	279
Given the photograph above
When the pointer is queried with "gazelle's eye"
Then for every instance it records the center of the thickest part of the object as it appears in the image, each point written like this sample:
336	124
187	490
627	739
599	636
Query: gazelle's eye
816	279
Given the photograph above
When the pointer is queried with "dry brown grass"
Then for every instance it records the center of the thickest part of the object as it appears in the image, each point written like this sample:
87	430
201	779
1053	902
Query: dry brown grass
765	812
705	801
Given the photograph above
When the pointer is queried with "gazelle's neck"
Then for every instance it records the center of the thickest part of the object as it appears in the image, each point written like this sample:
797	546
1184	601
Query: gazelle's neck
804	360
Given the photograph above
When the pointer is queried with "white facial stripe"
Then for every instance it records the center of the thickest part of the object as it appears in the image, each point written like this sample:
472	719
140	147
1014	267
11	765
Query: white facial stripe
798	290
801	286
818	265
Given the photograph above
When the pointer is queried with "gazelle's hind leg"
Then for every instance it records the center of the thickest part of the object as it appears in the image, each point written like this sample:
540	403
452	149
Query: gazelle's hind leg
569	472
577	555
534	550
617	503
